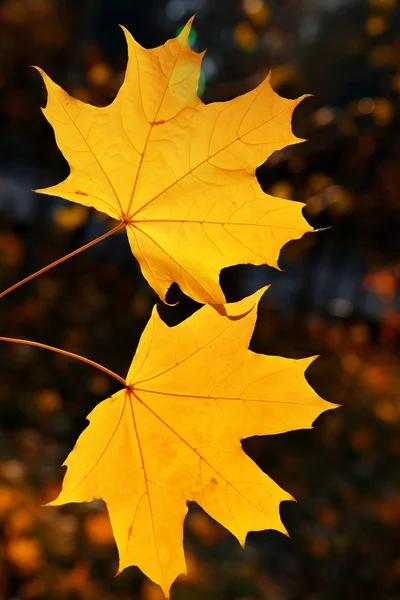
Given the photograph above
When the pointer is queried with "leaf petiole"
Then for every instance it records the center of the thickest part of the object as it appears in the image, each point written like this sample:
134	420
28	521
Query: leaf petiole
63	258
66	353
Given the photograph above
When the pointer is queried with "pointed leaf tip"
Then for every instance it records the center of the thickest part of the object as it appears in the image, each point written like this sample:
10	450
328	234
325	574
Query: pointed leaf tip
183	36
130	40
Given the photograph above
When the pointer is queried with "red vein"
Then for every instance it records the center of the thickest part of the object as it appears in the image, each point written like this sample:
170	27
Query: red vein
195	450
190	396
85	139
214	301
66	353
145	479
150	130
62	259
206	160
191	221
89	471
187	357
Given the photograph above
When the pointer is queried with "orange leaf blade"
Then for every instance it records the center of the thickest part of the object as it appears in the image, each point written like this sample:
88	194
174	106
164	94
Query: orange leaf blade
174	435
179	173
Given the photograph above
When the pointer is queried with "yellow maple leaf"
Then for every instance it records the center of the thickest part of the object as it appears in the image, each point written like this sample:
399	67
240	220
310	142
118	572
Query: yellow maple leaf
173	435
179	173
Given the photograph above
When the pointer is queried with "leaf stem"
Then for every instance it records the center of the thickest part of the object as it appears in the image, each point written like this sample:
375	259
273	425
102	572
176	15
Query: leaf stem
63	258
66	353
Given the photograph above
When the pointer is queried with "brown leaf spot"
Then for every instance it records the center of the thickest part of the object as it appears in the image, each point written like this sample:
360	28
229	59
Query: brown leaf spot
81	193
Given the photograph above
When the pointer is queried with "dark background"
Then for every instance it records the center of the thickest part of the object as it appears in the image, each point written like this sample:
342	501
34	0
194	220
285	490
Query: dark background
338	296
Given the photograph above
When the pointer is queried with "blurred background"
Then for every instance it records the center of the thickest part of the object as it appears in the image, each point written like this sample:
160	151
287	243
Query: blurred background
337	296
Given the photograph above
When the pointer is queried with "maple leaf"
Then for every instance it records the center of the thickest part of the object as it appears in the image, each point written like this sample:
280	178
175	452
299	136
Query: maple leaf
179	173
193	393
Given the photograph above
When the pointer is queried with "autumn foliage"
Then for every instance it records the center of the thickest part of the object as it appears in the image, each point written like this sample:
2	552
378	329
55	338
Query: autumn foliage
179	175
